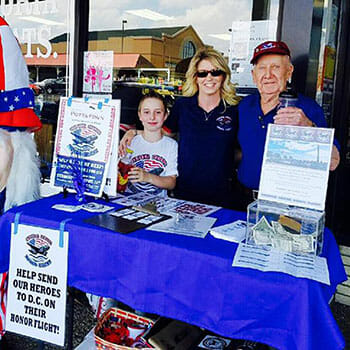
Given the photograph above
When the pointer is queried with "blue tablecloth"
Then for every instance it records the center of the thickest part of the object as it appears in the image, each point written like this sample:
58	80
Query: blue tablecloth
192	279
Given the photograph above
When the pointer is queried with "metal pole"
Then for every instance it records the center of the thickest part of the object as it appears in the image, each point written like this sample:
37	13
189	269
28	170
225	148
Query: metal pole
79	45
123	22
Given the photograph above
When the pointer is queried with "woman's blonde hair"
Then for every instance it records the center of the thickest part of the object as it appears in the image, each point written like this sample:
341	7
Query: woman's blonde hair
190	88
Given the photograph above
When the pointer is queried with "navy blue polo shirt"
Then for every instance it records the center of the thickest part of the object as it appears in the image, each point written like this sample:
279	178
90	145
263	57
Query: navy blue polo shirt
253	129
206	150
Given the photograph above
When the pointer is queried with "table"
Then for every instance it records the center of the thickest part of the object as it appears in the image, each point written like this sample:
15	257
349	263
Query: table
192	279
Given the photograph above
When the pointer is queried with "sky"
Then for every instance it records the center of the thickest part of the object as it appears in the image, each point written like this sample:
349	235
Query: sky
208	17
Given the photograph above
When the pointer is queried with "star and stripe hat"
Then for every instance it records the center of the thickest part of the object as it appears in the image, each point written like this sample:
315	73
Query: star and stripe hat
16	98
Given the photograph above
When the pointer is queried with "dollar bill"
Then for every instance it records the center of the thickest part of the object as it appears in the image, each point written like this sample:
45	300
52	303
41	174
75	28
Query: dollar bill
279	230
304	243
283	243
262	232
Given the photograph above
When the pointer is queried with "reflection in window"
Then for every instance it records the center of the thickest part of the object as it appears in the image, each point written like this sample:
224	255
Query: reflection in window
188	50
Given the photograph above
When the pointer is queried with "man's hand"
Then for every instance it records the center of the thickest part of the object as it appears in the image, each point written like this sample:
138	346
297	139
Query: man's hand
335	158
126	141
292	116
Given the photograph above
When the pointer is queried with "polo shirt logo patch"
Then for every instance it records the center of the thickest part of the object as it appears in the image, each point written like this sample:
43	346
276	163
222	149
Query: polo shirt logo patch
224	123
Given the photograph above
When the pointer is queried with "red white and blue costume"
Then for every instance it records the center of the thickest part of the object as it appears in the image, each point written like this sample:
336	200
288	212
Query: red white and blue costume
19	170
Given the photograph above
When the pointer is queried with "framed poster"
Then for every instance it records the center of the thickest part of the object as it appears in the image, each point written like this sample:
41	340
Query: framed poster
83	146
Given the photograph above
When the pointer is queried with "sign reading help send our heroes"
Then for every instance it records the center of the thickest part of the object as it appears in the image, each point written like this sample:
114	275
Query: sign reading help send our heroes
37	284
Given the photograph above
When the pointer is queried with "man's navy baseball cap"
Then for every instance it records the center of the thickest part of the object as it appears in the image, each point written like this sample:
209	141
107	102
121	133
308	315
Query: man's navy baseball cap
270	47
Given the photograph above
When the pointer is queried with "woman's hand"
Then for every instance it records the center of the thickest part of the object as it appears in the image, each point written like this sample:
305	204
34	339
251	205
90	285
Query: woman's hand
292	116
126	141
335	158
138	175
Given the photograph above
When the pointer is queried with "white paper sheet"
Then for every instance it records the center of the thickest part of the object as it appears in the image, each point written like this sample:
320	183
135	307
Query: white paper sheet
98	71
265	259
184	224
233	232
296	164
245	36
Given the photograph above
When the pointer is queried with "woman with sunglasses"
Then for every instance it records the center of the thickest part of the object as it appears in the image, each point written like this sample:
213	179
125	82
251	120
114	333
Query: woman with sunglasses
206	120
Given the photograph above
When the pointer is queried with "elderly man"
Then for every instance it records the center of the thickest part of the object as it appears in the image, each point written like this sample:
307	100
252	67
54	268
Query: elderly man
272	69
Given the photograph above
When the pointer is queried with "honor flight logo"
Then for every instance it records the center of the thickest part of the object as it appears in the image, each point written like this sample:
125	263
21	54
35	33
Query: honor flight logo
38	247
84	137
224	123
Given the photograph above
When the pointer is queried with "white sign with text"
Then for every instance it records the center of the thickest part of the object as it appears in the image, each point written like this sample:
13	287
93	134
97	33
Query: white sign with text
83	146
245	36
295	167
36	305
110	187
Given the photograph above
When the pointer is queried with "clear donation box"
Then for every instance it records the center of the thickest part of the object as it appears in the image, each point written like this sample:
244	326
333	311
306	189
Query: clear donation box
285	227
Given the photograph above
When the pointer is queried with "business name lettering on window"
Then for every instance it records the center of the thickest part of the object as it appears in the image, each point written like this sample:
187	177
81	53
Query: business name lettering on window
36	35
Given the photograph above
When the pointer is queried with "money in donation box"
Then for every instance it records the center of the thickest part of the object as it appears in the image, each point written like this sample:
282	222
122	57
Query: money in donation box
124	167
285	227
289	212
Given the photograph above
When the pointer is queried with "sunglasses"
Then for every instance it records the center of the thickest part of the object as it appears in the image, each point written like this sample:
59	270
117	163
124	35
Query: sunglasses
213	73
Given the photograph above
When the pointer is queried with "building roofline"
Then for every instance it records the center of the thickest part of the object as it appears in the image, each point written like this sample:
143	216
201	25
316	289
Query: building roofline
105	34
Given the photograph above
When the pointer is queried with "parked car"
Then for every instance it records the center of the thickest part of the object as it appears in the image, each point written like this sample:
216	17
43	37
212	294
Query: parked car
35	87
54	86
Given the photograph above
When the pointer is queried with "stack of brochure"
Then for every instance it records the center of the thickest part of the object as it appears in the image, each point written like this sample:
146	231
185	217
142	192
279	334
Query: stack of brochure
233	232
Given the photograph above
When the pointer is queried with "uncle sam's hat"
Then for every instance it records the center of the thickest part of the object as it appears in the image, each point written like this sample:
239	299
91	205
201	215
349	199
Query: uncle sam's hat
16	98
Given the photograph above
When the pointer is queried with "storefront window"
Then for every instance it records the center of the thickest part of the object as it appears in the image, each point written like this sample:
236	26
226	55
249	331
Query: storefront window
188	50
153	41
323	49
162	34
37	25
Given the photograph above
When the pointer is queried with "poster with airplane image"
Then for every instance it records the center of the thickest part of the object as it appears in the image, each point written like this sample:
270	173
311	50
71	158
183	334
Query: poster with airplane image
296	164
83	146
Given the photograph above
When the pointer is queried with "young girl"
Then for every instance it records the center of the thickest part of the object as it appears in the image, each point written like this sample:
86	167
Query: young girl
154	156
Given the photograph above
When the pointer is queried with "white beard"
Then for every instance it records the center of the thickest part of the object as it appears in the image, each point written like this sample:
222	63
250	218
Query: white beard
23	183
6	157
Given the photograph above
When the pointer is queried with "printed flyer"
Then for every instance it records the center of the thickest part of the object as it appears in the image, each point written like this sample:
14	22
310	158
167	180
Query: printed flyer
245	35
98	71
36	304
83	146
296	165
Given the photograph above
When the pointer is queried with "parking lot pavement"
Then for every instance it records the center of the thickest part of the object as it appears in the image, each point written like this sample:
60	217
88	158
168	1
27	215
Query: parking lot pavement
84	321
